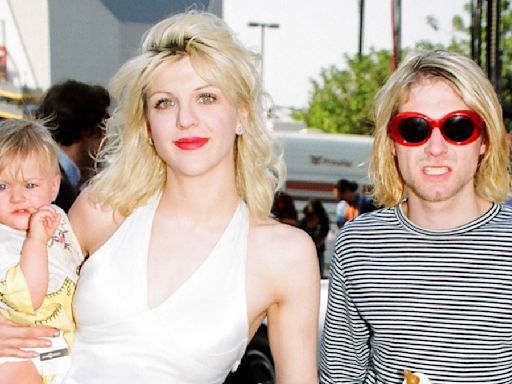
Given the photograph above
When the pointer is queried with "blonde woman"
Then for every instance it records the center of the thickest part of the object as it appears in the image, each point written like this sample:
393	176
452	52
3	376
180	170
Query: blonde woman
184	260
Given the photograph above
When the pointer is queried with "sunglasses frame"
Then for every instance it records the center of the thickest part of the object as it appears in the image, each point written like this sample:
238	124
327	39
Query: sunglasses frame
394	126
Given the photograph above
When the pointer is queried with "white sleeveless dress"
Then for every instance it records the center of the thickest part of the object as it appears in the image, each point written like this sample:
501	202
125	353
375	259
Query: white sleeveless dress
197	335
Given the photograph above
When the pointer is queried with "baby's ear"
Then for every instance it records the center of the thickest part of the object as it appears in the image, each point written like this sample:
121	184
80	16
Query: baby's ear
55	187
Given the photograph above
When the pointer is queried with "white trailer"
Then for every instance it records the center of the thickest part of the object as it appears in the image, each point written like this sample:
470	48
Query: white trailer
315	161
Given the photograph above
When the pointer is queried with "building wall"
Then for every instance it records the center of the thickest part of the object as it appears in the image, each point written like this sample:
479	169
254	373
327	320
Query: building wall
55	40
27	42
131	38
85	41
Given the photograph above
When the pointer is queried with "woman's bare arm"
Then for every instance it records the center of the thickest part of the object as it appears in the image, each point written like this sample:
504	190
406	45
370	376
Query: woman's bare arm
14	338
293	317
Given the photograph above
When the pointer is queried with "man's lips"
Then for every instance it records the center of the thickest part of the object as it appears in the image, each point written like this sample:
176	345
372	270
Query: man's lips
190	143
436	170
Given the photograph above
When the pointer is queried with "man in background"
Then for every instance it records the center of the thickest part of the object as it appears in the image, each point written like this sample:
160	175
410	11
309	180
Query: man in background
351	203
76	111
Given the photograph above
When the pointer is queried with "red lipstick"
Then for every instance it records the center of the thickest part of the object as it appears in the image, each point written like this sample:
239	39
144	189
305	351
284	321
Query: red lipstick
190	143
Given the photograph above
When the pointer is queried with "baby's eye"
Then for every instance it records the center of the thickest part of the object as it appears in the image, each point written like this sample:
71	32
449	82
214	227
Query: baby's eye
30	185
164	103
3	187
207	98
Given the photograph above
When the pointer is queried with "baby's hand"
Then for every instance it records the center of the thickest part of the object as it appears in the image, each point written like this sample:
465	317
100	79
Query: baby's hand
43	224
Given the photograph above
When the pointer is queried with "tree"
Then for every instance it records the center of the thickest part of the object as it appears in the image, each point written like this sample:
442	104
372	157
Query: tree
461	43
342	100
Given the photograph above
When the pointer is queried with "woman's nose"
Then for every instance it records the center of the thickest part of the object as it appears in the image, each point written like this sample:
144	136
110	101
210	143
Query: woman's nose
187	116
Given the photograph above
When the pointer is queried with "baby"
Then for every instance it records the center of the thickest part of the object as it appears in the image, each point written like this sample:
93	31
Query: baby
39	254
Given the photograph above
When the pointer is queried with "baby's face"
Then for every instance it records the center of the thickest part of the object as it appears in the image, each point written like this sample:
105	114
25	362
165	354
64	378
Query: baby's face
24	188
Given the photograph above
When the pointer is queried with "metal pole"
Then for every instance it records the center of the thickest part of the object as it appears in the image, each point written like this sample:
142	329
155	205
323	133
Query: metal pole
3	51
262	52
396	11
492	41
262	47
361	27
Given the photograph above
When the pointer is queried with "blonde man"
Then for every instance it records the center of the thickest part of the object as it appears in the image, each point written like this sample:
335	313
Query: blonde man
424	284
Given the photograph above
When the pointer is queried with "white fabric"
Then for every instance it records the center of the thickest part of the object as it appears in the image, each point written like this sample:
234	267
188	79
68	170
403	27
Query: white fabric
64	255
195	336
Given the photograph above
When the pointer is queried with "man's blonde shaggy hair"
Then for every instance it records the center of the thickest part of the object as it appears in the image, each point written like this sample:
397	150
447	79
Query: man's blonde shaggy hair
492	178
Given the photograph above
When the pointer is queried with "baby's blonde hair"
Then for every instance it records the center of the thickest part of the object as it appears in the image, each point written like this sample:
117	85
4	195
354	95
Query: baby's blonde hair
21	139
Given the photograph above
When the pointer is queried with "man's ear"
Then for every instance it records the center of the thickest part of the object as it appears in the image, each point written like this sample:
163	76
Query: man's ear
483	147
393	148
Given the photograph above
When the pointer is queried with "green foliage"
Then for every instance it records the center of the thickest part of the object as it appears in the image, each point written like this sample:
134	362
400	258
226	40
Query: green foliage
342	99
506	53
461	43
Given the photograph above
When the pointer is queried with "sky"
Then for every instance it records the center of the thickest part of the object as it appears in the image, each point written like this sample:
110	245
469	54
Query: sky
317	34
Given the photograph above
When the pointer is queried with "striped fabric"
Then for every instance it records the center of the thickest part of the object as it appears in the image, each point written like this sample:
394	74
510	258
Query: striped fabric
435	302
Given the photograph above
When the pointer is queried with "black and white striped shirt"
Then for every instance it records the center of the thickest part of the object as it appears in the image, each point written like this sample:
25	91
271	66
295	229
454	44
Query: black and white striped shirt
435	302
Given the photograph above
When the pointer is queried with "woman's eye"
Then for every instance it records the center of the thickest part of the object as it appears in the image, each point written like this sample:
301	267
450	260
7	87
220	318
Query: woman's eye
207	98
163	104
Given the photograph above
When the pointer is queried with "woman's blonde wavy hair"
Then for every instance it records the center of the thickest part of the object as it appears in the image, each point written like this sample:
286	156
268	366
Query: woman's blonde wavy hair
492	178
133	172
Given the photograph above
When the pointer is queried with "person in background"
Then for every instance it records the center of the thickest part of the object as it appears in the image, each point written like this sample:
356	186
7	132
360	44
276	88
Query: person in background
76	112
316	223
425	283
39	254
283	208
185	261
350	202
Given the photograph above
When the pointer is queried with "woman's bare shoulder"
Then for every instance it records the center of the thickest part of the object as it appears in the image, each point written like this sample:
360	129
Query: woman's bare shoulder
282	262
92	223
281	244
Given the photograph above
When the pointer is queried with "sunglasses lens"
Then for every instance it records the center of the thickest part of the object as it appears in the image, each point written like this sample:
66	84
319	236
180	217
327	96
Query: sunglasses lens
458	128
413	129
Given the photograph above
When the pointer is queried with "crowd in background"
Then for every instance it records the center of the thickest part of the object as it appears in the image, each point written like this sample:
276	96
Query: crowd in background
315	220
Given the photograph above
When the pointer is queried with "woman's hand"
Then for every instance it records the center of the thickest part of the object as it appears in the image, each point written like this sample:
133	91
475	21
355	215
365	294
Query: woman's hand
14	338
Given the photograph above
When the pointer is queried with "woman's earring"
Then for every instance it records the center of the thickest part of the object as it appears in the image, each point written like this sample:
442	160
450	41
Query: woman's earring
240	130
150	141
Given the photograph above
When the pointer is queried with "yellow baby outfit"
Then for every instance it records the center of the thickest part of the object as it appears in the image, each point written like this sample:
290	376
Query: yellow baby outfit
64	259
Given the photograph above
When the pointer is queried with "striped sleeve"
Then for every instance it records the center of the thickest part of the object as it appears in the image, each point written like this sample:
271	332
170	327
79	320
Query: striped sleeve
344	349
